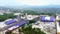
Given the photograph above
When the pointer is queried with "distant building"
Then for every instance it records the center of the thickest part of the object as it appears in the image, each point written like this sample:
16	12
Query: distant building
31	17
1	12
18	14
58	27
46	15
46	24
58	17
8	12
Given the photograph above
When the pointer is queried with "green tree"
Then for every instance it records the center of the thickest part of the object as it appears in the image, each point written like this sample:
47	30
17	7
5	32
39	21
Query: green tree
32	21
6	16
30	30
8	32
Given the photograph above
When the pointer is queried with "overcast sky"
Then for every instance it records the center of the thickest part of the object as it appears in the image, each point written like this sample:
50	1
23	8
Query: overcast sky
29	2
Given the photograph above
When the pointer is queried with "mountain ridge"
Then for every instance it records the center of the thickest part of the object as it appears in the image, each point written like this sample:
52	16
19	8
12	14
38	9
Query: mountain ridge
48	9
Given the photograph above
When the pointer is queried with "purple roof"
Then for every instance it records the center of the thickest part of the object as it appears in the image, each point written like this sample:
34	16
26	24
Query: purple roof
10	21
20	23
47	20
17	25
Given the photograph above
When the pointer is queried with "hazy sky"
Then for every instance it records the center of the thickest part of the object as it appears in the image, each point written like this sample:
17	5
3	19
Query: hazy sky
29	2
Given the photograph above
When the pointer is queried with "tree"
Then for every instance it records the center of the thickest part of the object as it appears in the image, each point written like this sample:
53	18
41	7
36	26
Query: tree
30	30
6	16
32	21
8	32
31	12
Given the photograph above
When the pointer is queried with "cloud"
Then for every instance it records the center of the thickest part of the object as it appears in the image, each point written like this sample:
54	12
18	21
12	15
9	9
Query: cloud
29	2
39	2
34	2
